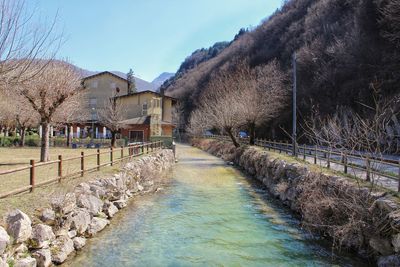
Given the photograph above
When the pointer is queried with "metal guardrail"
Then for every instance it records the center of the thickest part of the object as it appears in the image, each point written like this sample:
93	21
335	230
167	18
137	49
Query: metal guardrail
367	164
133	150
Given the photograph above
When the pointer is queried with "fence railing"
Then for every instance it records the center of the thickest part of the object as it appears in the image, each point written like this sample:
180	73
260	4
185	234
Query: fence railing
114	155
368	164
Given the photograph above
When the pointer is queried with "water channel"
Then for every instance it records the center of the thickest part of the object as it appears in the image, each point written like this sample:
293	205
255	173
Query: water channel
208	214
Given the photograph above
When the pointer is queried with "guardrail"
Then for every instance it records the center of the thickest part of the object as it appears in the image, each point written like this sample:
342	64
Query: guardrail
132	150
389	168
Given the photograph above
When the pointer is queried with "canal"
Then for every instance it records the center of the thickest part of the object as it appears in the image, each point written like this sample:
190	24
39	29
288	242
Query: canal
208	214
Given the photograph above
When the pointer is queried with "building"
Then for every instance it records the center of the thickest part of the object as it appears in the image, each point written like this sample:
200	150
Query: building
147	116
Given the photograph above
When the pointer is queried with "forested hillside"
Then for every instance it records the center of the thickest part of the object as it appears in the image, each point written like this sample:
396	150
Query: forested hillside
346	50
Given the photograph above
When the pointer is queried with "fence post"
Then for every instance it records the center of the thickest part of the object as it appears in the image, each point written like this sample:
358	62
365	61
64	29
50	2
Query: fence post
287	147
111	156
398	186
345	162
82	163
32	174
98	159
328	165
367	167
122	152
315	154
59	167
304	152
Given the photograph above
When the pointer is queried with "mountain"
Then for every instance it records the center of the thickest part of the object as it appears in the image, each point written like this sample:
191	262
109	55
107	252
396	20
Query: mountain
157	82
347	50
141	85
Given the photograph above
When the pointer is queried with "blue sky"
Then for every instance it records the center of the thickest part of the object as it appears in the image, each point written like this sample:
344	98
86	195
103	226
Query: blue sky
149	36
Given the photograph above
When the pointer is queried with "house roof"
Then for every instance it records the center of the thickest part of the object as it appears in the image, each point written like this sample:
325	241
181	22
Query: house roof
142	120
102	73
148	91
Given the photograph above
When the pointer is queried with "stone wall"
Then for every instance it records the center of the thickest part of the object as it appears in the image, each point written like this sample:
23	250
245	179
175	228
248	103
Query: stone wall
72	218
358	218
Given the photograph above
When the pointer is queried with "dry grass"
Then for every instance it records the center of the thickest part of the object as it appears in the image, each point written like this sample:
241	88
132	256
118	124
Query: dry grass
12	158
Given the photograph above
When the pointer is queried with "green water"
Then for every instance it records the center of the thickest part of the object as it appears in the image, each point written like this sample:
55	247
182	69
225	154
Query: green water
207	215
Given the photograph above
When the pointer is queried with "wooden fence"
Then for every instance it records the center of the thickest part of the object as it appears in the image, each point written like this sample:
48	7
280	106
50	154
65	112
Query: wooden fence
368	164
115	155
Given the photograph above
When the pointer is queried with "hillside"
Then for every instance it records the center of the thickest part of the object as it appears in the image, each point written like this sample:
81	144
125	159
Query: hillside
346	49
157	82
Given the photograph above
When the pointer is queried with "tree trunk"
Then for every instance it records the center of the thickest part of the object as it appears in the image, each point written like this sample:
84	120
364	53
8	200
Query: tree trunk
69	137
44	144
233	138
252	132
113	138
22	140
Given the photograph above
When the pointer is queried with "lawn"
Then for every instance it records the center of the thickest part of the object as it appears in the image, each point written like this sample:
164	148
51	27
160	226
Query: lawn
11	158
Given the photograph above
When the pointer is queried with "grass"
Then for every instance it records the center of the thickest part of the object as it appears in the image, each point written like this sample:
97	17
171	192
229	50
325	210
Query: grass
11	158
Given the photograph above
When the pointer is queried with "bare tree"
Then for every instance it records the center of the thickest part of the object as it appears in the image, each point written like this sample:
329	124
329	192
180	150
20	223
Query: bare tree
25	118
23	40
198	123
7	116
112	115
47	94
178	118
262	94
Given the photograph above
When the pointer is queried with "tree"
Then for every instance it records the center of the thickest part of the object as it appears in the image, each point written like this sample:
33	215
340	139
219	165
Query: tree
112	115
23	41
391	17
47	93
262	94
25	118
131	82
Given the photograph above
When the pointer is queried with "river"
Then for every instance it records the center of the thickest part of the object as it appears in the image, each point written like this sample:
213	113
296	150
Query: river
208	214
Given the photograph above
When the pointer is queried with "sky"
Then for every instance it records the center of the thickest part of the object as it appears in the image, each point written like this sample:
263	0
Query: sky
149	36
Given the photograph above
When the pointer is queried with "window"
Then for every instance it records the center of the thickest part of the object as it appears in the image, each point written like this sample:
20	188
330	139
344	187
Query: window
136	136
92	102
95	84
144	109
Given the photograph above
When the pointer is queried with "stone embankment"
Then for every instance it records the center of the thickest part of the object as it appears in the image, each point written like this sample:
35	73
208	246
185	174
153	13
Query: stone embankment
355	217
72	218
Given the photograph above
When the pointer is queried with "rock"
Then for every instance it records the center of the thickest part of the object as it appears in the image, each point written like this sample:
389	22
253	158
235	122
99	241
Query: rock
82	188
48	216
42	235
80	220
43	257
120	204
396	242
381	245
96	225
79	242
389	261
22	248
3	263
61	248
93	204
110	209
72	234
4	240
25	262
386	204
139	187
64	204
19	226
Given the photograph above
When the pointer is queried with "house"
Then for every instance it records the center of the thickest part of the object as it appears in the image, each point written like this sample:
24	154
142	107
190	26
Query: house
147	116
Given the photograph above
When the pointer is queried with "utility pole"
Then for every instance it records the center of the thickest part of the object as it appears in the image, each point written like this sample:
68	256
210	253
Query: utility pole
294	134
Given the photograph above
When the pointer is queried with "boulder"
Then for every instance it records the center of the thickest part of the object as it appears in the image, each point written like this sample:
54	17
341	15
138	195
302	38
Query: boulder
61	248
25	262
97	225
79	242
396	242
381	245
21	248
120	204
64	204
389	261
48	216
19	226
43	257
80	220
110	209
4	240
72	234
93	204
42	235
82	188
